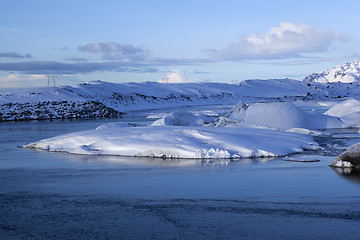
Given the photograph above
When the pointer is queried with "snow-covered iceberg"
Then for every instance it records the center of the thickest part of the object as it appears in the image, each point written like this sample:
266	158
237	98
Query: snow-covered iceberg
181	118
344	108
179	142
348	111
282	115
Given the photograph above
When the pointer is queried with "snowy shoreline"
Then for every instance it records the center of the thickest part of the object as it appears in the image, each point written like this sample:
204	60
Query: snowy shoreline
56	110
103	99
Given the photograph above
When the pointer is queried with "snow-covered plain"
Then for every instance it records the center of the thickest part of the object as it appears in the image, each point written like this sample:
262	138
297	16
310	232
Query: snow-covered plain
66	101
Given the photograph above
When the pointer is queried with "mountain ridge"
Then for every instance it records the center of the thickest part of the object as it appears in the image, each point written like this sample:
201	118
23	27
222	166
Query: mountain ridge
345	73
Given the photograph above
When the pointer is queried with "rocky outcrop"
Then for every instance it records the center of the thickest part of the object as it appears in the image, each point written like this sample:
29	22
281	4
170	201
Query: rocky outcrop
55	110
348	159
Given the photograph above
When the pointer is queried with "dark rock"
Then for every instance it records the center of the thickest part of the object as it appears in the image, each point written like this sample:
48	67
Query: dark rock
349	158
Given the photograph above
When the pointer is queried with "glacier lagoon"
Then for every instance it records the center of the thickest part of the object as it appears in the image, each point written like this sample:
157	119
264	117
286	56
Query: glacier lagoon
58	195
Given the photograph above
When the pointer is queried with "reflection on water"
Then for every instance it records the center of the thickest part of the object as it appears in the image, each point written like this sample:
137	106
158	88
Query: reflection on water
151	161
351	174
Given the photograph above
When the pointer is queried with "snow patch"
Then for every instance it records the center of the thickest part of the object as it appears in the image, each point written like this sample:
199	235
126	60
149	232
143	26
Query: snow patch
305	131
116	125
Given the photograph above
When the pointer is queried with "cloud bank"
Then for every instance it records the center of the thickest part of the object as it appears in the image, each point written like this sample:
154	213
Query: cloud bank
289	40
116	51
14	55
53	67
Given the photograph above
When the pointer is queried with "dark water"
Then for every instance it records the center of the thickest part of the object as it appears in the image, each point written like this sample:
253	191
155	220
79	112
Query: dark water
62	196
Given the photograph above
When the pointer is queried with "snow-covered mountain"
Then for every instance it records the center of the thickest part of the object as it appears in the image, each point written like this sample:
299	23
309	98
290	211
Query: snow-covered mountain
346	73
104	99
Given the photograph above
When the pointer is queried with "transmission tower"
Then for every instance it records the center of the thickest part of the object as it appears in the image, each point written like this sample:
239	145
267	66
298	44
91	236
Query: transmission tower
164	80
51	79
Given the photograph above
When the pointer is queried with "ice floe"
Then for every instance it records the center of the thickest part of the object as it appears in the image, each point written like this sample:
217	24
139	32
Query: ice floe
344	108
181	118
179	142
282	115
348	111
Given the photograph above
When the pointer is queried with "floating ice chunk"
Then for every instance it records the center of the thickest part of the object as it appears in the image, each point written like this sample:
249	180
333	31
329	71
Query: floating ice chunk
157	115
305	131
282	115
351	120
180	118
116	125
179	142
344	108
327	103
348	111
341	164
224	122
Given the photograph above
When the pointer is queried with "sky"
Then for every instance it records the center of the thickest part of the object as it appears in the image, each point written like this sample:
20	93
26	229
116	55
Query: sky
173	41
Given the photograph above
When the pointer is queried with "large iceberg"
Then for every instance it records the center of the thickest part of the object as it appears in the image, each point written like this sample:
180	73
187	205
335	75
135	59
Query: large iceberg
344	108
348	111
282	115
179	142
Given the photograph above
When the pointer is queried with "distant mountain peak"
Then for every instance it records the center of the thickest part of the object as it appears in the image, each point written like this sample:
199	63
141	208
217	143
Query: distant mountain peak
345	73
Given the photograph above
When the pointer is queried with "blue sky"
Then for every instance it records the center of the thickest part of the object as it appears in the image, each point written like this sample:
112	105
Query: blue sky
217	41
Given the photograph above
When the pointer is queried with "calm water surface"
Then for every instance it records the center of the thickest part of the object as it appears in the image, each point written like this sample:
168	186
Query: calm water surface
259	190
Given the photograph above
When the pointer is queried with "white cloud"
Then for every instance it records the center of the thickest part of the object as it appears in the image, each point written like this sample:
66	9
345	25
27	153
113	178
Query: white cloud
14	55
108	47
286	41
177	76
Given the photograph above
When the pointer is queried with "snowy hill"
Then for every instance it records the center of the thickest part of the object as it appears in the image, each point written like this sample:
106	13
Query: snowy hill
104	99
346	73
